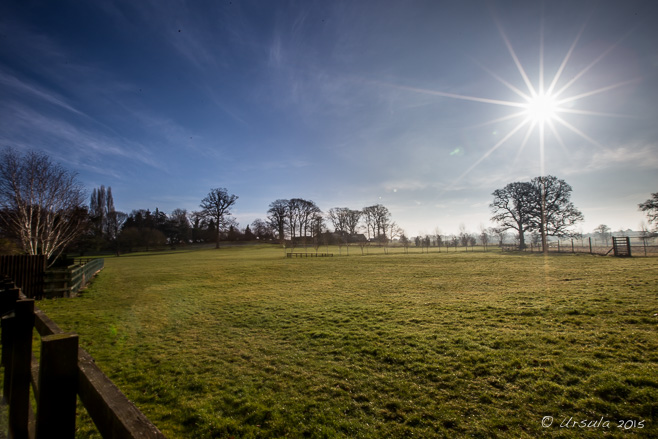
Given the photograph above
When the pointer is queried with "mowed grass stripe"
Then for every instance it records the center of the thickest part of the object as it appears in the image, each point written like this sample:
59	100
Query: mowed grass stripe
244	342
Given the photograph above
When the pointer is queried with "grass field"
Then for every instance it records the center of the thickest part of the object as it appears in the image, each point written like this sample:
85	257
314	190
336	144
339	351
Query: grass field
242	342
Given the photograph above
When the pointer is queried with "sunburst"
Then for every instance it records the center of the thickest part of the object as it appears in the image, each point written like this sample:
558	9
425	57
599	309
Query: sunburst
540	108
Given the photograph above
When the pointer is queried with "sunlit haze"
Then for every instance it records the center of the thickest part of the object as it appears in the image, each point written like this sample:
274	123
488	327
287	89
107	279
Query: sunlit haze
424	107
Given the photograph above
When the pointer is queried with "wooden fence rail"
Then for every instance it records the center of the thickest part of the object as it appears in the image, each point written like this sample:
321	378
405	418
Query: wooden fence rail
67	281
63	372
26	271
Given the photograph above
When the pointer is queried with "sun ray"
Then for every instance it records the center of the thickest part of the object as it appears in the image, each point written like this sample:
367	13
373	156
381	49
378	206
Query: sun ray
556	133
527	81
593	113
597	91
541	51
577	131
489	152
504	82
453	95
500	119
592	64
531	128
556	78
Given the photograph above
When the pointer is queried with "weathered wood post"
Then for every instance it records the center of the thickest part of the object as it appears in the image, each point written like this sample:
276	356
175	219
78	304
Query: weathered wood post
19	393
58	386
7	350
8	297
590	245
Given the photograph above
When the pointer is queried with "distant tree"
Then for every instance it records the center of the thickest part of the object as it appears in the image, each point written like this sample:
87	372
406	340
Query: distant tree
98	210
277	216
199	226
603	232
41	203
393	231
437	237
363	244
317	225
115	221
464	236
302	217
405	242
651	208
352	221
177	229
140	229
484	236
248	235
535	238
645	235
262	230
217	206
339	218
233	234
376	218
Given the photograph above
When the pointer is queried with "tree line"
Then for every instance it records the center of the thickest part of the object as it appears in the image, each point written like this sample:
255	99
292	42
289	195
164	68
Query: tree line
44	211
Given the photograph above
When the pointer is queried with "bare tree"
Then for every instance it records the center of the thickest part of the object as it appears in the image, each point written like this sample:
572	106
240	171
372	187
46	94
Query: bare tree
338	218
217	205
603	232
405	242
560	214
352	221
393	232
651	208
369	219
41	202
484	236
277	216
261	229
501	234
437	237
512	208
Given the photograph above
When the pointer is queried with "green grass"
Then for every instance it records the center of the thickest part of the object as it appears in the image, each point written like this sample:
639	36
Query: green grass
242	342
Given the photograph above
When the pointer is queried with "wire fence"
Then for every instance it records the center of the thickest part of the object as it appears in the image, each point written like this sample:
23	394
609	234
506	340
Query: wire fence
638	246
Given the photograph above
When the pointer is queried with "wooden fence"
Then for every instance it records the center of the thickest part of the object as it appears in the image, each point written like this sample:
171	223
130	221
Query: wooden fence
67	281
63	372
26	271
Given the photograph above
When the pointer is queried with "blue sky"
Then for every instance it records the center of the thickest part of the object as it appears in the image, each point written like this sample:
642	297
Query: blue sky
347	103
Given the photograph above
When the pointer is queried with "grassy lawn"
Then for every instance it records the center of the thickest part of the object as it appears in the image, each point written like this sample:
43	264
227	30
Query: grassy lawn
242	342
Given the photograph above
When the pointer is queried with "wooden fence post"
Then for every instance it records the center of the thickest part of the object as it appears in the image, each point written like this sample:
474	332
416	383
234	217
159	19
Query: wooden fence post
7	349
8	298
58	386
21	367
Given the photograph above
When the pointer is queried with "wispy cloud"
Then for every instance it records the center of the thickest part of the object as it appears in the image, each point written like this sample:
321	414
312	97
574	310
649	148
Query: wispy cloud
16	86
642	156
30	127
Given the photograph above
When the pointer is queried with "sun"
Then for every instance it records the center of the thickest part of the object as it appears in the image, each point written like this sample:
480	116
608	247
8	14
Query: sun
542	108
